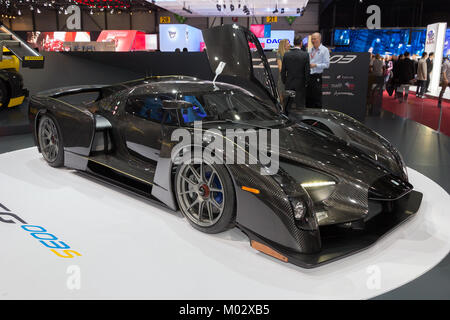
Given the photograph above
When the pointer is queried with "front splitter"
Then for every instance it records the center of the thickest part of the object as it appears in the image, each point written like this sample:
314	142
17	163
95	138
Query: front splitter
340	243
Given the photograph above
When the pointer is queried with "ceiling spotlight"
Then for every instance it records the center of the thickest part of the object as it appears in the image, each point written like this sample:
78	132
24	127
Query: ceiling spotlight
186	9
19	13
276	9
246	11
282	10
219	7
232	7
302	11
224	6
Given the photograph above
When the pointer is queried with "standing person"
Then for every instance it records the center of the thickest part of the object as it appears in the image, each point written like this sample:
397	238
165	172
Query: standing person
295	71
422	75
405	76
395	74
319	57
429	69
283	47
388	75
445	77
378	68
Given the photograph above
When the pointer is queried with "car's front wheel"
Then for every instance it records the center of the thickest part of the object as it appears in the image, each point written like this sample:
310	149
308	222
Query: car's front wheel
205	196
50	141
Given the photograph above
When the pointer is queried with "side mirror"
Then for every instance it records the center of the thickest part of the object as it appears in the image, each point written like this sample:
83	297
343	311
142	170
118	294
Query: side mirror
176	104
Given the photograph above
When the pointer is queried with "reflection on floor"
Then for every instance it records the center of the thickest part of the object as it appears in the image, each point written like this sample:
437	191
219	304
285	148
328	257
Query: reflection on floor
423	150
424	111
129	248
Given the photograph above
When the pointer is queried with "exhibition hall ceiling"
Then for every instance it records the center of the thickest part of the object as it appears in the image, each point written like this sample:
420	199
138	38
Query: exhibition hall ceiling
234	8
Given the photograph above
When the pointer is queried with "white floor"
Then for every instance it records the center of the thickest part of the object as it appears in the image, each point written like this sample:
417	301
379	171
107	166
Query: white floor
131	248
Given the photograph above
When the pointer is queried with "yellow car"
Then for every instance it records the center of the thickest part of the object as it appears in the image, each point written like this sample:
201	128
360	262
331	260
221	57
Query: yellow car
12	92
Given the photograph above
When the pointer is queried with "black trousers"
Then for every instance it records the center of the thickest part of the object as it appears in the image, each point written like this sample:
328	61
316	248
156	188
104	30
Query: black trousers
300	97
421	85
314	91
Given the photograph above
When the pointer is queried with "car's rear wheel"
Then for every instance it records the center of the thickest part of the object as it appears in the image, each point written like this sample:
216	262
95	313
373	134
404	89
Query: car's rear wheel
205	196
50	141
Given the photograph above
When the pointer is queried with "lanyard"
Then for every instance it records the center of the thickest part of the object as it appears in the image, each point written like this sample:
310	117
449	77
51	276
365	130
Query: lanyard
313	52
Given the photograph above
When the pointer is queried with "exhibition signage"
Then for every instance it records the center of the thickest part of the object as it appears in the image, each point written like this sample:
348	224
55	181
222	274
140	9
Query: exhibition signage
344	83
275	37
272	19
164	19
57	40
261	30
435	43
179	36
124	40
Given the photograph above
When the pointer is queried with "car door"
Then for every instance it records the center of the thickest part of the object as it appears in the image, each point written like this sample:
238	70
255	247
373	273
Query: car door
142	125
246	63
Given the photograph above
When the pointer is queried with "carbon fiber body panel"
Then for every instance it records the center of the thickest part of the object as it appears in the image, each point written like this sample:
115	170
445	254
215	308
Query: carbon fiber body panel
338	244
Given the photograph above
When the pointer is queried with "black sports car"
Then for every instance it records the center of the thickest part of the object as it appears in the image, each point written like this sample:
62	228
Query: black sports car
339	188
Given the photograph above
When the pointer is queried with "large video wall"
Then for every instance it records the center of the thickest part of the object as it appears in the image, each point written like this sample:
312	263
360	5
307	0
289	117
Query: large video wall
383	41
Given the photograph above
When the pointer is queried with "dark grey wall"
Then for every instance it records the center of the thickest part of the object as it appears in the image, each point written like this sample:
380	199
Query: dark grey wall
66	69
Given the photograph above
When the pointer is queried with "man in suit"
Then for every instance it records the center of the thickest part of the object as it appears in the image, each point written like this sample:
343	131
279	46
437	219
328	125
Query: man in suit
405	76
295	71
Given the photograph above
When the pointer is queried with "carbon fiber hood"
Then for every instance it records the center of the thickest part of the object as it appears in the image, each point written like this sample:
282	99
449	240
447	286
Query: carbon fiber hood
359	136
358	177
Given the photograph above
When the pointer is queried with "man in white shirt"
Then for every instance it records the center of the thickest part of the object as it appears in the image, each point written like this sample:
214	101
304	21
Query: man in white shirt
319	58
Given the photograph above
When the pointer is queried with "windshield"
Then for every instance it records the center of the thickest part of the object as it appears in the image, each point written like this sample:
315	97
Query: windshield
231	106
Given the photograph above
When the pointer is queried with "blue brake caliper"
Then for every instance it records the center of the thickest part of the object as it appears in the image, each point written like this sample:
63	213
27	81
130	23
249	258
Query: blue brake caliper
218	196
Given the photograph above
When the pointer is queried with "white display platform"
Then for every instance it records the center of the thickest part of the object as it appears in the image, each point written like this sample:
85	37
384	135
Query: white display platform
134	249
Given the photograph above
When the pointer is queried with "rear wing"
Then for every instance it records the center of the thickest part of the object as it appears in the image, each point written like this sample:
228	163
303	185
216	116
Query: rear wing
27	55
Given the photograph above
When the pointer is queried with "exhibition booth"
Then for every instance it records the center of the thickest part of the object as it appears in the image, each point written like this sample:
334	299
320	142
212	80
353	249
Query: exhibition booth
320	203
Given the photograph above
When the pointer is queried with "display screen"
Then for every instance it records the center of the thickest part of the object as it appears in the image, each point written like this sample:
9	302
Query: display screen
382	41
178	37
275	38
447	44
54	41
261	30
342	37
124	40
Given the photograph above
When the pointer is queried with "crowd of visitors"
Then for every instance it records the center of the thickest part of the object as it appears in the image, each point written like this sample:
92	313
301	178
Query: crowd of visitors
396	74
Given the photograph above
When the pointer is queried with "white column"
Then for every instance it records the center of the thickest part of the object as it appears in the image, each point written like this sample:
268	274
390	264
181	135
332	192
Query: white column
435	43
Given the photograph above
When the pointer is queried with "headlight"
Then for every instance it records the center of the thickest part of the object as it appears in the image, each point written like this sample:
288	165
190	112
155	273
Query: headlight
299	209
303	219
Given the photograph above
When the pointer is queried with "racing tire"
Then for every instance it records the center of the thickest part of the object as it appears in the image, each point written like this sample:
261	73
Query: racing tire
51	141
205	196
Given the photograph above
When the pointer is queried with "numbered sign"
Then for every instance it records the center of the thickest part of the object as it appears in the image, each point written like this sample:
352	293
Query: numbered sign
164	19
271	19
